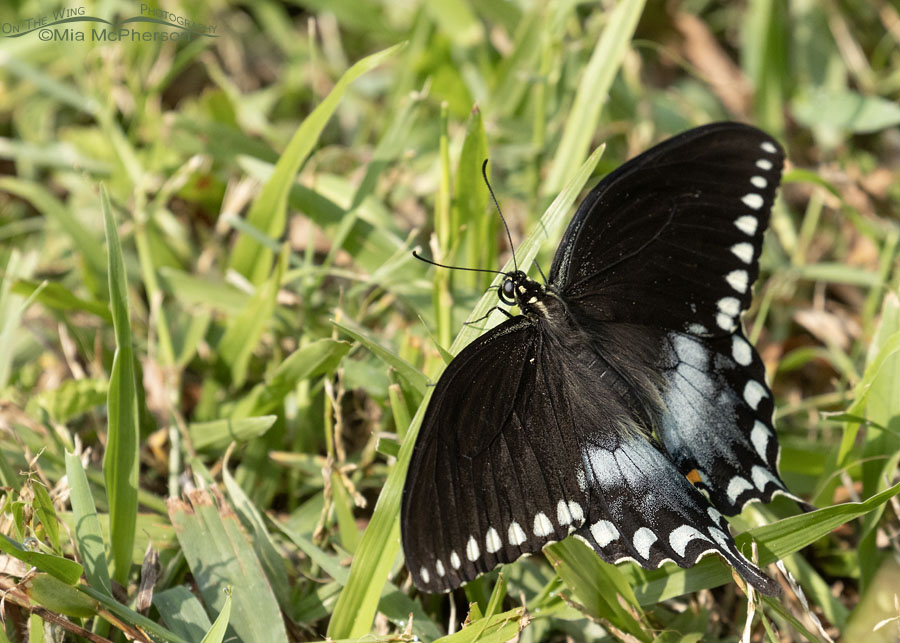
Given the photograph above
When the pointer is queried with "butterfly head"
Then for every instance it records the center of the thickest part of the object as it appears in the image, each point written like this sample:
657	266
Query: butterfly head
518	290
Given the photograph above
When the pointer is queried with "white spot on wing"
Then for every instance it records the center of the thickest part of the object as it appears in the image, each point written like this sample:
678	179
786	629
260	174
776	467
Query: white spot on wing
714	515
720	537
768	147
516	534
604	532
697	329
758	182
764	164
754	392
439	567
426	577
759	436
747	224
753	200
729	305
725	322
741	351
472	551
762	476
542	525
736	487
680	537
582	481
576	511
454	560
563	516
737	279
643	539
743	251
492	541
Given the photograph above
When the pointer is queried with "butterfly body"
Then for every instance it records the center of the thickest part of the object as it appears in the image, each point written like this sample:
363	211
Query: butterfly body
623	390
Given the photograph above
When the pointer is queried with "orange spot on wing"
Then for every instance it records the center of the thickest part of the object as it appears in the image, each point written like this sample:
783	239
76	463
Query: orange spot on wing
693	476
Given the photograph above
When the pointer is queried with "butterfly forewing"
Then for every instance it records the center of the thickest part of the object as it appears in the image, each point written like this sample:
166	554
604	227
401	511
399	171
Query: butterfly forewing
672	237
490	477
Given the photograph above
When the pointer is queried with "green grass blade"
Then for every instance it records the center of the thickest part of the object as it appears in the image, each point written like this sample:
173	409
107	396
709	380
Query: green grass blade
68	571
592	93
219	556
269	210
120	462
407	371
245	330
88	535
182	611
216	633
218	434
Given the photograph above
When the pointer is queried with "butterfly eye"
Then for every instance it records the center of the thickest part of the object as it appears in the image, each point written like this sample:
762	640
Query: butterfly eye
508	292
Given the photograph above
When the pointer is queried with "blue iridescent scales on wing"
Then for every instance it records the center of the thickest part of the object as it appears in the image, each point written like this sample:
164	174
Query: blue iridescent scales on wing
624	405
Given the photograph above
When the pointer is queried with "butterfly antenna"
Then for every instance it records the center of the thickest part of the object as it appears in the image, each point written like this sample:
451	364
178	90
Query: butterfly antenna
500	212
441	265
543	276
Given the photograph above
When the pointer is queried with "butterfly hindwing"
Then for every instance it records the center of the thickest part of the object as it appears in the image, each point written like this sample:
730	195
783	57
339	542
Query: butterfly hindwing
717	418
643	509
672	238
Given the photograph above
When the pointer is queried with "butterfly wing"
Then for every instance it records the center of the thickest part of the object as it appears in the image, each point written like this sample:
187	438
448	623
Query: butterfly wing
717	418
669	242
530	435
491	474
672	237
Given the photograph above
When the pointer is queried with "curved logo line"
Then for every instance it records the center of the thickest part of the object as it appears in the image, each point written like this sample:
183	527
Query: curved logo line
168	24
60	22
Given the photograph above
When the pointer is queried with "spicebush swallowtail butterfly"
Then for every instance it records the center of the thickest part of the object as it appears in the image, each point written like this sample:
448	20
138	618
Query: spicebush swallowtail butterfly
624	388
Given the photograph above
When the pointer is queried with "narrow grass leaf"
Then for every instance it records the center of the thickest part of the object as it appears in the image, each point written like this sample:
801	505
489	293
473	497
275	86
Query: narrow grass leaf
244	330
68	571
272	561
497	629
51	593
192	290
120	462
219	556
848	110
218	434
593	92
70	400
311	360
89	247
358	602
470	207
88	535
881	447
128	615
46	513
407	371
596	585
182	612
269	211
216	633
58	297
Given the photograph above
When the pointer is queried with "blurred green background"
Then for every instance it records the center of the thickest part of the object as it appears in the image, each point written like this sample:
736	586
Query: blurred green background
206	241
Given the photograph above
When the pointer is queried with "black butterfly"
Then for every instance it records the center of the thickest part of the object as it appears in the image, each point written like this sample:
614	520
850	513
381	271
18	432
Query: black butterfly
624	389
